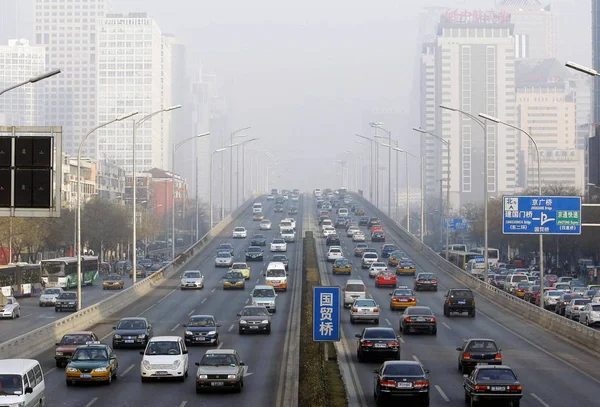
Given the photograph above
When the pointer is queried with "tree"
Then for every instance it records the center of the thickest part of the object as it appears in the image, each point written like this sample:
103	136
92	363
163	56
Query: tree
104	224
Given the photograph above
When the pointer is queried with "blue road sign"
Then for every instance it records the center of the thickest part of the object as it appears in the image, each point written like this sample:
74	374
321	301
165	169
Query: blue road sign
326	314
479	260
541	215
457	224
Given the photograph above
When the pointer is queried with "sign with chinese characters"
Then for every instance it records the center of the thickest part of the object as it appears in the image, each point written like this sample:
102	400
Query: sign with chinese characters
476	16
326	314
457	224
541	215
480	260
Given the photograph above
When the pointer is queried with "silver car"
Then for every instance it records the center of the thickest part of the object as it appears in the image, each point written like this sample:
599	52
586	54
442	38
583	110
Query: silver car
192	279
48	296
265	224
590	314
573	309
364	310
264	296
220	369
223	259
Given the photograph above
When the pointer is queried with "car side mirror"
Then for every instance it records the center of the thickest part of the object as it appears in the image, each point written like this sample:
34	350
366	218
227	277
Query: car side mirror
141	352
197	363
242	364
184	325
239	314
218	325
391	294
459	349
114	327
357	336
427	371
57	344
185	352
28	390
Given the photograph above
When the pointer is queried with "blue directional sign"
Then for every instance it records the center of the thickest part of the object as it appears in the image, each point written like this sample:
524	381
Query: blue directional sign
479	260
541	215
326	314
457	224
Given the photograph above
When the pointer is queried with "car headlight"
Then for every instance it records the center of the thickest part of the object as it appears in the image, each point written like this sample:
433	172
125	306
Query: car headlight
231	376
100	370
59	353
21	404
141	336
146	364
188	333
264	321
117	336
176	364
71	370
243	322
183	282
202	376
212	333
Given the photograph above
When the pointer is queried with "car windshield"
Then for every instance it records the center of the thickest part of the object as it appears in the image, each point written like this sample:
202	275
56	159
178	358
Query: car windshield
403	292
378	264
11	384
482	346
389	247
234	275
596	307
218	359
418	311
132	324
342	263
76	339
263	293
254	312
279	258
370	256
253	249
201	321
364	303
581	301
554	293
113	277
275	273
523	285
86	353
163	348
335	250
67	296
406	263
496	374
239	229
223	255
258	237
278	241
239	266
379	333
52	291
191	274
403	370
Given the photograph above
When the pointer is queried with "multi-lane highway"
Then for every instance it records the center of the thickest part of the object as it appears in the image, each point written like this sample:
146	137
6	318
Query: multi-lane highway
553	372
167	308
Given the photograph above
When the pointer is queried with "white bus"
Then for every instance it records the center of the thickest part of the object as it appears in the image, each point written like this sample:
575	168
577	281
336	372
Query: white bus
493	254
19	280
62	272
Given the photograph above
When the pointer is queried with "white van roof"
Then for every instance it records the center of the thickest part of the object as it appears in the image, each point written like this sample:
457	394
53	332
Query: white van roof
263	287
16	366
275	265
350	281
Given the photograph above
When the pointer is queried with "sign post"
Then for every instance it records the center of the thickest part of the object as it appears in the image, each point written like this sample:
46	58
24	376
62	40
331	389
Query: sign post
326	315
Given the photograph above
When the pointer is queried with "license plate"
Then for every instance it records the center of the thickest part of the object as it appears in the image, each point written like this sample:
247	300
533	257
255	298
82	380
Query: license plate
461	302
380	345
420	319
427	282
199	338
498	388
404	385
129	341
85	376
253	327
161	373
217	384
403	300
406	268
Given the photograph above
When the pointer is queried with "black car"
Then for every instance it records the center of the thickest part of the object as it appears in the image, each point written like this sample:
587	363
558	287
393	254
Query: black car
254	253
258	240
373	221
401	379
381	343
66	302
332	240
281	258
492	383
426	281
364	221
459	300
278	209
254	318
201	329
418	319
225	247
132	332
562	303
279	200
475	351
378	236
293	211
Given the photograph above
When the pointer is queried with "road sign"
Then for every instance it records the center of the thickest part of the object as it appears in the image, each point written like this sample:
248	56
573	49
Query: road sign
479	260
326	314
541	215
457	224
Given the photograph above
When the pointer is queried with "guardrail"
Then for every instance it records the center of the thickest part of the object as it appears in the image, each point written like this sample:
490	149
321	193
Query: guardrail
579	333
40	339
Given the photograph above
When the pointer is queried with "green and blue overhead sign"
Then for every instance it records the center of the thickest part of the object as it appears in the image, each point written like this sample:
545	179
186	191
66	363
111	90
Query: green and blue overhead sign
541	215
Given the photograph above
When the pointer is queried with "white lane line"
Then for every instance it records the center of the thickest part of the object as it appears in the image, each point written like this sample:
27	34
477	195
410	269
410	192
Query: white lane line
191	312
213	290
203	300
106	336
257	280
231	328
175	327
416	359
439	389
220	345
183	403
388	322
153	305
247	300
401	339
25	316
49	371
127	370
91	402
542	402
446	325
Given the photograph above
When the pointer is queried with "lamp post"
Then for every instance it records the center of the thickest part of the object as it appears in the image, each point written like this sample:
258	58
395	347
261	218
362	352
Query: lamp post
243	173
32	80
447	144
379	125
371	141
395	143
78	220
485	185
173	192
539	177
210	183
231	136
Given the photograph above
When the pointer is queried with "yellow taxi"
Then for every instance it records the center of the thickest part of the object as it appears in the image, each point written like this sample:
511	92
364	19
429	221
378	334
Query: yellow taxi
402	298
406	267
140	272
242	268
395	257
258	216
113	282
92	362
342	266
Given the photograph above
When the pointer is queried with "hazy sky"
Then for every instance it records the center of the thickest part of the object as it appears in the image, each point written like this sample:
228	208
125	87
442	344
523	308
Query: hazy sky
301	74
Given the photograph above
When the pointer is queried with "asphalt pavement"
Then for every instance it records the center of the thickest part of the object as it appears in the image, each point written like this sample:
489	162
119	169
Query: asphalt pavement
553	371
167	308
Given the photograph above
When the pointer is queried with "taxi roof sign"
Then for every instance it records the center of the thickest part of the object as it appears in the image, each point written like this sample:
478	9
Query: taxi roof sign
92	343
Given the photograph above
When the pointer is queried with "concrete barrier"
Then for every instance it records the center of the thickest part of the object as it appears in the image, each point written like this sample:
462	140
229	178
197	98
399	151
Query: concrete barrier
547	320
45	337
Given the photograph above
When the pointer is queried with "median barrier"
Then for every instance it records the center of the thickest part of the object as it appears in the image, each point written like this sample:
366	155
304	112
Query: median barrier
566	328
45	337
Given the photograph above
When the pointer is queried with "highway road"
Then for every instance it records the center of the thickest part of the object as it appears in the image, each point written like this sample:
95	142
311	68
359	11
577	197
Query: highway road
167	308
553	372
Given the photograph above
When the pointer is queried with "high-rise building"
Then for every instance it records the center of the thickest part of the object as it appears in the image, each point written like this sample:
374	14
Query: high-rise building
134	74
67	29
20	61
201	124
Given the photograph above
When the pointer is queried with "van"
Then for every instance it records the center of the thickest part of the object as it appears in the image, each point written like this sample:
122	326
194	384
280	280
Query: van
276	276
22	383
264	296
257	208
475	269
354	290
342	212
513	280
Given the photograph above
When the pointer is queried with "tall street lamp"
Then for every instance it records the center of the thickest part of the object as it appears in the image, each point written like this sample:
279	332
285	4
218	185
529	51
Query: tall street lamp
371	141
210	183
173	191
136	124
32	80
243	144
539	177
447	144
395	143
379	125
483	125
231	136
78	220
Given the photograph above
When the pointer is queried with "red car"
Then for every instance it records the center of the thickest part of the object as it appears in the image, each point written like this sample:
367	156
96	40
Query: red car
386	278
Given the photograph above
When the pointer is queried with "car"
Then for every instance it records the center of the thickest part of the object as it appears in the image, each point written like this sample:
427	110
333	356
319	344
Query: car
278	209
264	296
278	245
279	200
342	266
92	362
377	343
488	384
368	258
67	301
418	319
134	332
258	240
329	230
359	249
192	279
258	217
226	247
334	253
49	295
388	249
364	221
140	272
575	307
281	258
201	330
265	225
386	279
276	276
406	268
270	197
376	268
373	221
220	369
566	287
402	298
254	318
364	310
395	257
113	282
478	351
359	212
532	292
242	268
223	259
68	344
283	225
378	236
340	222
563	301
358	237
521	289
459	300
165	357
551	298
234	279
239	232
351	231
401	380
426	281
332	240
254	253
590	314
293	211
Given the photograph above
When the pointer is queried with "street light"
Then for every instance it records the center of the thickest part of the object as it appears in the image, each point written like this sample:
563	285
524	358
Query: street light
447	144
231	136
582	69
210	183
379	125
32	80
243	174
175	147
78	220
371	141
397	179
539	177
485	184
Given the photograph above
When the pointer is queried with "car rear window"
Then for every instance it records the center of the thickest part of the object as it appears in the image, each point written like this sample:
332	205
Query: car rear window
496	374
595	307
355	288
461	294
370	255
380	333
482	346
518	279
403	370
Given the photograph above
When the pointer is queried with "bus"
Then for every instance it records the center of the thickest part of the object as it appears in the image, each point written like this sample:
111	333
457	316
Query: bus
62	272
461	259
456	247
493	254
17	280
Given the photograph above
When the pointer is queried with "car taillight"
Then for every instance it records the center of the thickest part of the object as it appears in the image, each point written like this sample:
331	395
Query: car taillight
375	309
407	319
388	383
354	309
472	302
432	319
498	356
394	344
421	384
479	387
466	355
434	281
411	299
396	298
367	343
515	388
420	281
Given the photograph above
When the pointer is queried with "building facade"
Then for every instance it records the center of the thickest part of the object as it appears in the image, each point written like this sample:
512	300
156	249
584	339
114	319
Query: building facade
110	181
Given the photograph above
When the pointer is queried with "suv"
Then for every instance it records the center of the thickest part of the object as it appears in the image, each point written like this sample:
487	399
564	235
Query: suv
459	300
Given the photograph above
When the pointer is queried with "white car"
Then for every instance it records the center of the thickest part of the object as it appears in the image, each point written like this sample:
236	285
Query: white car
165	357
590	314
48	296
551	297
265	224
192	279
358	237
334	253
278	245
288	235
291	220
566	287
10	309
368	258
329	230
326	223
575	307
223	259
295	198
352	230
364	310
270	197
376	268
240	233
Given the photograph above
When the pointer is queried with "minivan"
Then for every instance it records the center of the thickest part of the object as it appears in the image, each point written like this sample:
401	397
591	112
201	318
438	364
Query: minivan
264	296
257	208
276	276
342	212
513	280
22	383
354	290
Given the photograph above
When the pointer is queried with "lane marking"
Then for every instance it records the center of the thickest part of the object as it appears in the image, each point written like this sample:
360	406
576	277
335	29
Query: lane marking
183	403
388	322
257	280
446	325
49	371
203	300
416	359
231	328
247	300
91	402
213	290
401	339
439	389
542	402
220	345
175	327
191	312
127	370
153	305
106	336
